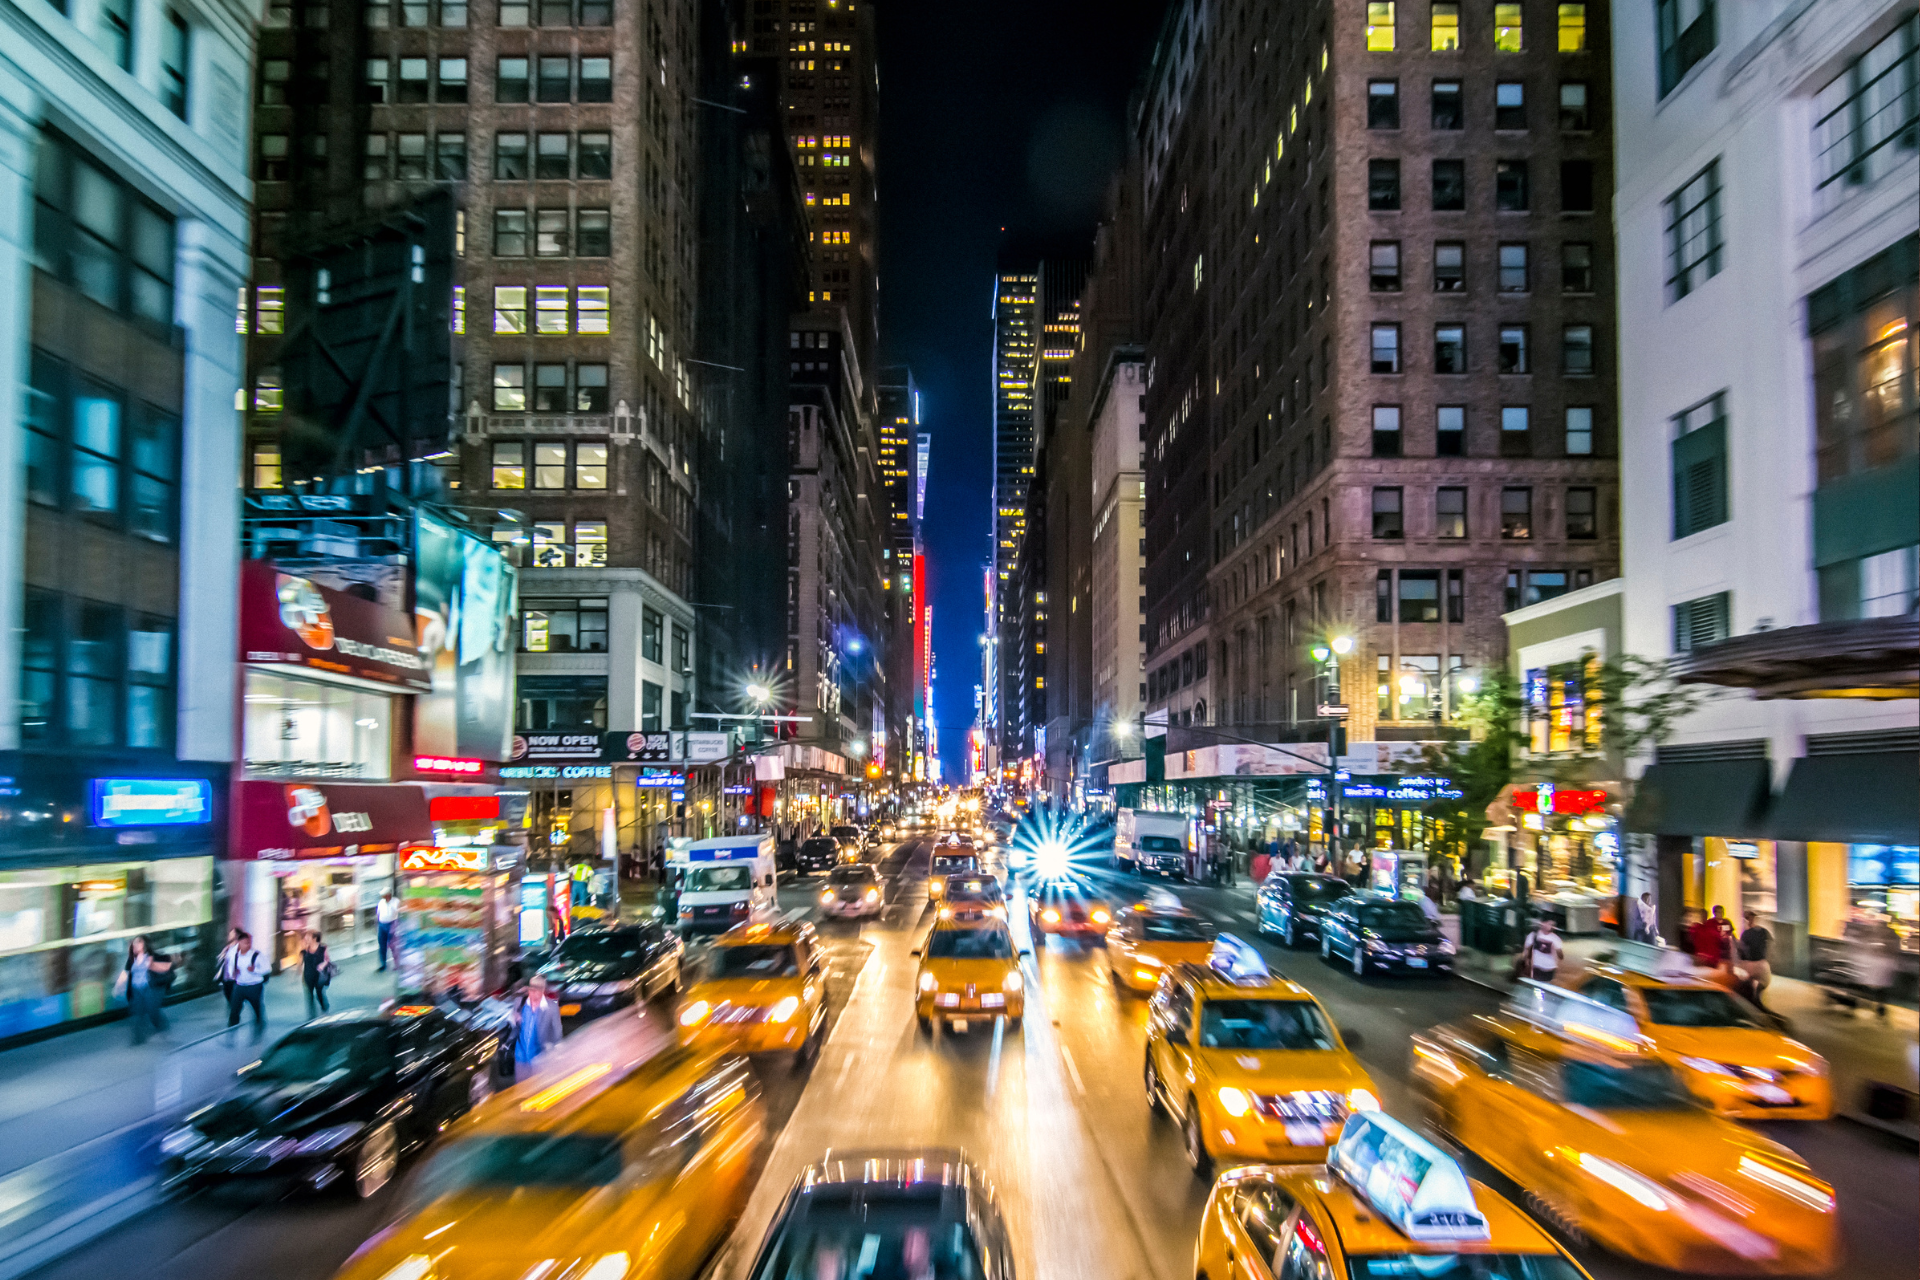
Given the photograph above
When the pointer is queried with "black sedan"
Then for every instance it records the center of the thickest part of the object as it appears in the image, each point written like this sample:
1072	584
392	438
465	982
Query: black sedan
597	971
1290	904
345	1097
820	853
1373	931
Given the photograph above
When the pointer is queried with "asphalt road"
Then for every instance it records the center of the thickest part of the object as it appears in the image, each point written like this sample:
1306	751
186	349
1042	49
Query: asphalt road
1054	1113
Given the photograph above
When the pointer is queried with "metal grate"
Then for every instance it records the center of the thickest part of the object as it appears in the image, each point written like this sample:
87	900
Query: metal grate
1858	744
1698	752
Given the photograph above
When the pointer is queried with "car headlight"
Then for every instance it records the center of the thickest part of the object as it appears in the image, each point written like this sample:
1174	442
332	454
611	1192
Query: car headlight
608	1266
1707	1066
928	982
686	911
933	887
1050	916
786	1008
695	1014
1647	1192
329	1138
873	895
1235	1102
826	895
1014	981
180	1141
1362	1100
1446	947
1100	915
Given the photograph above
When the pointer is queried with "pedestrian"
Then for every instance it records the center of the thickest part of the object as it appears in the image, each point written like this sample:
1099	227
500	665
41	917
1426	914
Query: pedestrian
1756	956
223	965
1874	957
1430	907
250	970
540	1028
1723	928
144	981
1540	954
316	972
385	912
1261	867
1704	941
1465	893
1434	887
1645	924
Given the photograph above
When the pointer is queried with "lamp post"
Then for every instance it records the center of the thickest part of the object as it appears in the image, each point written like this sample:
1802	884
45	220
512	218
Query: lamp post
1328	655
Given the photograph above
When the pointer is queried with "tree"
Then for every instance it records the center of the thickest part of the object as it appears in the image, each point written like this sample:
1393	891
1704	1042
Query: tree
1481	765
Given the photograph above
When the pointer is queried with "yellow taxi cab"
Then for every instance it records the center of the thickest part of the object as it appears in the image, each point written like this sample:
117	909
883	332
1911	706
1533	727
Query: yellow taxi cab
1069	907
1248	1064
969	971
612	1164
1561	1094
950	860
972	898
1722	1047
1151	937
762	989
1386	1203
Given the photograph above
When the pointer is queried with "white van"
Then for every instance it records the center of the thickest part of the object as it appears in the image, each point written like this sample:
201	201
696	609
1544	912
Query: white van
1150	843
724	882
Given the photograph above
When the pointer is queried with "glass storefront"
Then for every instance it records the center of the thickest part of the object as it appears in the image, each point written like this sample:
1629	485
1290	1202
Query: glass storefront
296	728
1884	880
337	896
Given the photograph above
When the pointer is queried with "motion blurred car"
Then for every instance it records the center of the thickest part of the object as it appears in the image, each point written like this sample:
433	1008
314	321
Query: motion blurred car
1375	932
625	1164
1069	908
1248	1064
853	892
972	899
1313	1223
1148	940
817	854
1562	1095
1722	1047
595	971
1289	905
345	1096
969	972
762	989
850	841
948	861
925	1212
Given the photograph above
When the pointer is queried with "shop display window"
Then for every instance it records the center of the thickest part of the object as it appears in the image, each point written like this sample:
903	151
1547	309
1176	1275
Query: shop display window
337	896
1884	879
297	728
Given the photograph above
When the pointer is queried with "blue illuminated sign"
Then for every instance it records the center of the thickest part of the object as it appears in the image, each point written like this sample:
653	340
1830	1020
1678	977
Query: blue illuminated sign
151	802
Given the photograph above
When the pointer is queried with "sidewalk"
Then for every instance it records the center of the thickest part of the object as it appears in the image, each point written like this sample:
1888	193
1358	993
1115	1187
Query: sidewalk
79	1113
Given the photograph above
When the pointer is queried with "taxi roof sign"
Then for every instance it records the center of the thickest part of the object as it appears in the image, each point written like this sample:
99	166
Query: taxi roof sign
1571	1013
1236	958
1163	900
1410	1182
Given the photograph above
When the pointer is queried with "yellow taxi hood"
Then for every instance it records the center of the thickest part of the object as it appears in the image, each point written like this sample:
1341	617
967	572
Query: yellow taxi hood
743	990
1176	952
1741	1046
1283	1070
957	972
1663	1144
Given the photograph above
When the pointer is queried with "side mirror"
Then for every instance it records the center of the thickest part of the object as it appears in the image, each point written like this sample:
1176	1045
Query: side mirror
1025	952
1355	1041
1177	1035
916	951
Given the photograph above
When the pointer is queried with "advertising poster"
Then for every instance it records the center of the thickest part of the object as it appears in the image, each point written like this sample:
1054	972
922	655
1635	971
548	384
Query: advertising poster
293	621
464	607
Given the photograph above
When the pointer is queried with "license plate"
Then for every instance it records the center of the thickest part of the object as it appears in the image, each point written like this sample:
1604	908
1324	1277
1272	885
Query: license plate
569	1010
958	1024
1771	1094
1415	963
1306	1135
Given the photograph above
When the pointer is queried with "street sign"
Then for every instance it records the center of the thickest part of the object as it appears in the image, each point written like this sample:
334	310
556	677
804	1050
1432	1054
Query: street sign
1333	709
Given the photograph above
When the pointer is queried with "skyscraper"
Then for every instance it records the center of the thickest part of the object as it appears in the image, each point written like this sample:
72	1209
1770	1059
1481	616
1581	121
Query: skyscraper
1015	346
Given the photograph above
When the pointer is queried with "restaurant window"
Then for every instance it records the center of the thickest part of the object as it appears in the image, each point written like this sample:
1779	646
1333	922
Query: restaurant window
1380	18
1383	104
1388	520
1385	350
1450	512
1384	266
1450	431
1583	518
1386	431
1445	31
1684	33
1516	512
1419	595
1576	268
589	544
1449	348
564	626
510	388
1449	267
1698	456
1449	113
1703	621
296	728
1383	185
1449	185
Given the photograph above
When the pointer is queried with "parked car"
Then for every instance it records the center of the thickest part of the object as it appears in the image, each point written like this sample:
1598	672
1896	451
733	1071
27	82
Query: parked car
817	854
1375	931
1290	904
596	971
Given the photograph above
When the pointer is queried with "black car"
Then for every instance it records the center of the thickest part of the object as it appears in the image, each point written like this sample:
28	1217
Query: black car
596	971
1374	931
819	853
900	1212
1290	905
346	1096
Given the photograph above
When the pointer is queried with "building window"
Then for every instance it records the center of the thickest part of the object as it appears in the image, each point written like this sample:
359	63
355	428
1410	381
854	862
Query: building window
556	13
94	674
590	388
1583	517
550	233
596	155
509	457
650	707
510	80
175	61
1448	111
268	394
1516	512
1576	186
1699	466
1574	115
596	79
509	388
1386	348
1383	185
1515	440
552	156
651	625
1449	348
1450	431
1684	31
1450	513
413	80
592	305
453	13
1383	596
1513	349
451	85
1445	36
590	544
549	545
1576	351
559	704
590	465
97	235
1573	28
1449	185
1386	431
450	157
1513	268
113	31
509	309
554	82
593	233
682	650
1576	268
1510	106
1379	26
1510	189
550	312
1387	517
1384	262
515	13
549	392
564	626
1579	431
410	157
1449	267
1868	119
1862	328
510	156
265	467
1704	621
1383	104
1876	586
1506	28
550	463
1419	595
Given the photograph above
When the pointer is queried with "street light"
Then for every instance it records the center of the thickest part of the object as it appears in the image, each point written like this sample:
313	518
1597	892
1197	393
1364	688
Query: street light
1343	645
759	692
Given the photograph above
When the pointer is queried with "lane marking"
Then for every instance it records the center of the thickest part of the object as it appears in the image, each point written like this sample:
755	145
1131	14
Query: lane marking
1066	1056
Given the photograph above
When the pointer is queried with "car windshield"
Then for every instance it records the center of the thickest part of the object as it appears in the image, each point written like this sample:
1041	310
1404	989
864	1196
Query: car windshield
1395	921
1263	1024
1649	1086
873	1236
1683	1007
520	1160
719	879
969	944
821	844
752	962
1160	844
1177	929
983	889
949	864
1319	888
852	875
601	947
321	1053
1462	1266
846	833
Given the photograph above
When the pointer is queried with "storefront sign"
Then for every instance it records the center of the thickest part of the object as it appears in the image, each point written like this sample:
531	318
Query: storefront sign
660	778
555	747
638	748
536	771
1401	790
464	808
293	621
447	764
702	748
464	610
151	802
315	820
435	858
1547	798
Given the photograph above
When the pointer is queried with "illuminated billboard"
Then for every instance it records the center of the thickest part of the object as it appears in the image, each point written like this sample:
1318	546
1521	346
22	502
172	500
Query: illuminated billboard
464	607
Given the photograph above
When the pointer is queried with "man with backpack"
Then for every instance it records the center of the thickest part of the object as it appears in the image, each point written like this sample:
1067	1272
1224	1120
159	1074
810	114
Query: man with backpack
1540	953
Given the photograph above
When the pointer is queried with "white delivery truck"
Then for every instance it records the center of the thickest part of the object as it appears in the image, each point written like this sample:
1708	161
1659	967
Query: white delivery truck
1150	843
723	882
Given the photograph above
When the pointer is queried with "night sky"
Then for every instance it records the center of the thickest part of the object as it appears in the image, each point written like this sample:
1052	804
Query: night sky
998	121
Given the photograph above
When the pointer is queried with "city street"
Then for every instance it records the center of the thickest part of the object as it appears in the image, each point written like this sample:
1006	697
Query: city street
1089	1182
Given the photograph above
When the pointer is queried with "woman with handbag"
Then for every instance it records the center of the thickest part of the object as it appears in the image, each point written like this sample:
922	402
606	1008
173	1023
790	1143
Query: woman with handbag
144	981
316	972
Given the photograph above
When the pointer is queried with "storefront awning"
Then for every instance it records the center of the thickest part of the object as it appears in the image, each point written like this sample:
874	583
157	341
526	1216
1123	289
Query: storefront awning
1701	798
1851	799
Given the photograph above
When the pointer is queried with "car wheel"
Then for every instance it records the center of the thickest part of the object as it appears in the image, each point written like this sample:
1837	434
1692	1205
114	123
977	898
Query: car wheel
1359	961
479	1088
926	1026
1286	933
1152	1080
375	1161
1196	1143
